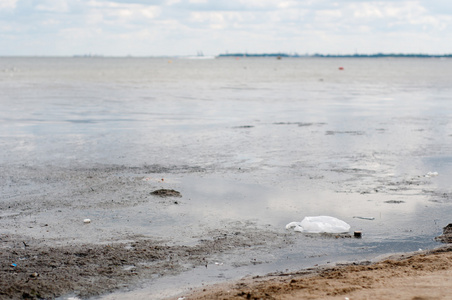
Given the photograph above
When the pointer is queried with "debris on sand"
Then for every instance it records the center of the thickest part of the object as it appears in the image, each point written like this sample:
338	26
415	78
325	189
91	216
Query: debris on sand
446	237
166	193
431	174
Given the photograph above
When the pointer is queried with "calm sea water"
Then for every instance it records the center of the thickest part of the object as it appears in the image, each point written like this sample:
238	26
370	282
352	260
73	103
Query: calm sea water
196	111
290	137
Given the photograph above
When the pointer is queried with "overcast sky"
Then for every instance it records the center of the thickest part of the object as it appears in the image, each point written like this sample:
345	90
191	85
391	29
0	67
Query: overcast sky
184	27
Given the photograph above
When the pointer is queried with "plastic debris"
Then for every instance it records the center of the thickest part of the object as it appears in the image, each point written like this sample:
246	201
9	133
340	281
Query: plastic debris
86	221
13	265
364	218
320	224
431	174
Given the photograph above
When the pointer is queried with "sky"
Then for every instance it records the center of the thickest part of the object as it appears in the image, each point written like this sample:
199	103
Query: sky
187	27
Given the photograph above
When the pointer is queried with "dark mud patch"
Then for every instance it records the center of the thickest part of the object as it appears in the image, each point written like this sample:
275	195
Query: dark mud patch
244	127
34	271
333	132
166	193
327	235
299	124
394	201
439	196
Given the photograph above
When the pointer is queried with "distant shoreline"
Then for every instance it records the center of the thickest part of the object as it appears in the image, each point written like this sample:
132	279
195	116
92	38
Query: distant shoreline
280	55
252	55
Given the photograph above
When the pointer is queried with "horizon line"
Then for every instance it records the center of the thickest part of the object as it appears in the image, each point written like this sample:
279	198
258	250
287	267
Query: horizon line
242	54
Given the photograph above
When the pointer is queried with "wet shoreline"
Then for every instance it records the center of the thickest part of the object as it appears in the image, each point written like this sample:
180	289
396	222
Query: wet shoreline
137	239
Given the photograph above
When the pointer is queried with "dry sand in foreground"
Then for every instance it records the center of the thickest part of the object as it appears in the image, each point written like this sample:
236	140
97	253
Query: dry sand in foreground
426	275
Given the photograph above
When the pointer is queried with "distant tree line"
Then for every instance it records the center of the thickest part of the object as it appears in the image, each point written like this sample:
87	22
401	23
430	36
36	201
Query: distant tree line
383	55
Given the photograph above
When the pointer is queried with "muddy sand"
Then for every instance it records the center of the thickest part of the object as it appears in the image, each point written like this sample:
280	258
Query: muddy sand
89	270
89	232
142	229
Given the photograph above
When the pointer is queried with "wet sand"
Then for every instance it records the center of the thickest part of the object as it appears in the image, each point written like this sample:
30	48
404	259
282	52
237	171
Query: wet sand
84	271
49	250
424	275
34	271
140	235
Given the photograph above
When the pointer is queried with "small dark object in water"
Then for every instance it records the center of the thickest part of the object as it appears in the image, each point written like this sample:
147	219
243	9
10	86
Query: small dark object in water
394	201
166	193
446	237
357	234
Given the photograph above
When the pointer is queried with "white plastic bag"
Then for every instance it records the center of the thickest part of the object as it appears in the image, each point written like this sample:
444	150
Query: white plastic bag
320	224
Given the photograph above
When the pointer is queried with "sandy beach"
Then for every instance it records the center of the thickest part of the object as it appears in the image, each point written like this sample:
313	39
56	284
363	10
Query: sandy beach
424	275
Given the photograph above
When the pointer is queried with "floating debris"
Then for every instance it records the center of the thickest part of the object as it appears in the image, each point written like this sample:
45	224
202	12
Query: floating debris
364	218
87	221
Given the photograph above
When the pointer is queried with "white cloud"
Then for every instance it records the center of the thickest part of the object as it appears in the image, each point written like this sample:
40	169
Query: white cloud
8	4
119	16
155	27
171	2
54	6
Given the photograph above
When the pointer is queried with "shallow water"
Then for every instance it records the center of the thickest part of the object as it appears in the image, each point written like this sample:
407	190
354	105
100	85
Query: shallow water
250	140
